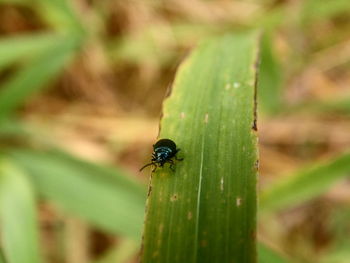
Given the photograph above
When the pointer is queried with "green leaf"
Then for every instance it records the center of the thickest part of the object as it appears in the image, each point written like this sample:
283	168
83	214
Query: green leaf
270	79
2	259
62	16
339	255
305	184
309	11
17	2
34	76
330	105
315	10
103	196
19	228
11	127
267	255
14	48
205	211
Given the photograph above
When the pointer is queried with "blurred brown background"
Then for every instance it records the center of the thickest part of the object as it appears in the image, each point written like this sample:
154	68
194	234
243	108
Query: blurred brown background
104	104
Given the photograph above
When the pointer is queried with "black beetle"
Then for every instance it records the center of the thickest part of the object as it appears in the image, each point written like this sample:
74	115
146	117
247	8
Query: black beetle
163	152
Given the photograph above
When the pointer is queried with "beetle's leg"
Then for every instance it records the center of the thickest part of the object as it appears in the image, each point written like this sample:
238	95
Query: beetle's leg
171	165
146	166
178	159
154	167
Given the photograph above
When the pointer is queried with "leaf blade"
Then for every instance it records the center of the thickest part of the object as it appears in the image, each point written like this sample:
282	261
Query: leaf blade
270	78
14	48
105	198
305	184
34	76
20	236
193	215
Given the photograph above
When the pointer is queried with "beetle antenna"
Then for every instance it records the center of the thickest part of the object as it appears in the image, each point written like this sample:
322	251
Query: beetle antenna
146	166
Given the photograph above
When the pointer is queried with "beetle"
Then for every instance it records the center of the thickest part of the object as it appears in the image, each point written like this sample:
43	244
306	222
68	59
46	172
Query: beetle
163	152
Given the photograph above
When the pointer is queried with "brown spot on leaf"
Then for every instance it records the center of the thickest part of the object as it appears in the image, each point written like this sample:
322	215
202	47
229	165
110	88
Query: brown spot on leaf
189	215
206	118
238	201
173	198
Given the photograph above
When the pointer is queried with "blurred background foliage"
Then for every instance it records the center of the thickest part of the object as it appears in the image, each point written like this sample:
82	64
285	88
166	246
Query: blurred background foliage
82	84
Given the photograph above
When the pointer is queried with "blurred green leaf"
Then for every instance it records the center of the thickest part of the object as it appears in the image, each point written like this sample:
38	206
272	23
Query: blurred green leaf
24	46
19	229
340	255
338	106
9	127
315	10
270	78
268	255
309	11
15	1
61	15
304	184
34	75
271	19
101	195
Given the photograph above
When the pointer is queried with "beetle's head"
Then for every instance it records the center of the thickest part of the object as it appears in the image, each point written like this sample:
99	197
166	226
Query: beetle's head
161	154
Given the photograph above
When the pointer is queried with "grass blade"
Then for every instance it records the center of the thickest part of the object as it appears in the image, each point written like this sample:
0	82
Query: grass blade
206	210
14	48
314	10
34	76
270	78
19	229
61	15
105	198
304	184
329	106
